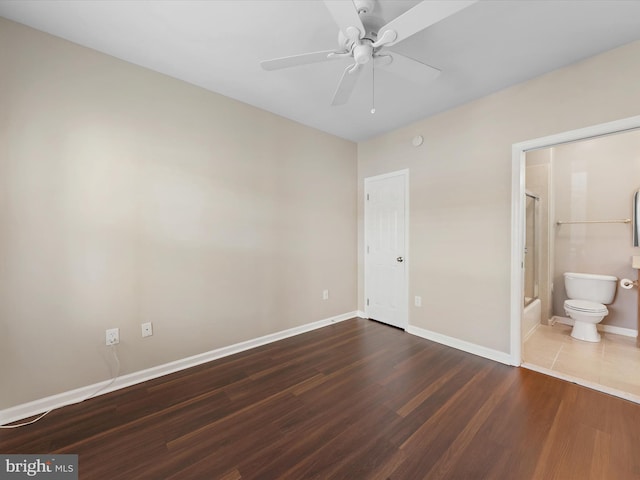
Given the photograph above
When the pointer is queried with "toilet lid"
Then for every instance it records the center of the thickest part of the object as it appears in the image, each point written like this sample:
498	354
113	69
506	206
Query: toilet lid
585	306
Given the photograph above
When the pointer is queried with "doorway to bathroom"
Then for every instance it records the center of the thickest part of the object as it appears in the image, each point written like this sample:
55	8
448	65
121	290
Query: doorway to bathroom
572	195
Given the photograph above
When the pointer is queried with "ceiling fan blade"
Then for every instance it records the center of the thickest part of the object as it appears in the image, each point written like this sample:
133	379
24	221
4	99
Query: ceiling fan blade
346	16
411	69
423	15
346	85
295	60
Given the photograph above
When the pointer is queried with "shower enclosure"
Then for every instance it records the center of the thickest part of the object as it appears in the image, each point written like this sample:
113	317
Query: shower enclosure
531	248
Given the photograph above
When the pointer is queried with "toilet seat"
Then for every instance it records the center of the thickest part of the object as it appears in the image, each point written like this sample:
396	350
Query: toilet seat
585	306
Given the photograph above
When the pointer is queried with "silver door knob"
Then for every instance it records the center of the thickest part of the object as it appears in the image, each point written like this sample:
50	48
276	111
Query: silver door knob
400	259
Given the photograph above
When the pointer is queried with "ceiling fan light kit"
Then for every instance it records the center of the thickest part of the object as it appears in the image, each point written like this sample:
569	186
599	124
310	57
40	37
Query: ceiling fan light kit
362	38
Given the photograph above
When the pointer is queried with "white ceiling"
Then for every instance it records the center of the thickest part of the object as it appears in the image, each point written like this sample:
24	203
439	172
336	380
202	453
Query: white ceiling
218	45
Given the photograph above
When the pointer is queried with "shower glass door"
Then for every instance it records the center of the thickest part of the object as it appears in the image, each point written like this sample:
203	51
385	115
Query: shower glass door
531	249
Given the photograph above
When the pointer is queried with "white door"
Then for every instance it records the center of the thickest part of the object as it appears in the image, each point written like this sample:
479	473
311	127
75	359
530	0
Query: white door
385	248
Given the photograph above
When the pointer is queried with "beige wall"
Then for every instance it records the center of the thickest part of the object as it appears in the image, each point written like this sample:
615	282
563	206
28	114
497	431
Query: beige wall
460	187
596	180
127	196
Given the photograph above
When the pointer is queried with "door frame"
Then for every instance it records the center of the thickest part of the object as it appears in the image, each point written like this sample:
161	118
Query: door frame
518	151
404	173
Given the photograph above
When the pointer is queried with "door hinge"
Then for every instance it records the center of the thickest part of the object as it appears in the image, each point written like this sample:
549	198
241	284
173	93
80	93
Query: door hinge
367	248
367	302
367	196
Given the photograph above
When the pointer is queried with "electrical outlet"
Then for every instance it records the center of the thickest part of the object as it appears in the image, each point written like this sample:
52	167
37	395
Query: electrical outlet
147	329
113	336
325	294
418	301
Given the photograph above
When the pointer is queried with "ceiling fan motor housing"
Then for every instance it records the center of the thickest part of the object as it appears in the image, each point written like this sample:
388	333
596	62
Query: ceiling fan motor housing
364	6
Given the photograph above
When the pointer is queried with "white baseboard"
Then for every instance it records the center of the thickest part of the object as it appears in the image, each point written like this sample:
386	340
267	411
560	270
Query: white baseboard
627	332
35	407
468	347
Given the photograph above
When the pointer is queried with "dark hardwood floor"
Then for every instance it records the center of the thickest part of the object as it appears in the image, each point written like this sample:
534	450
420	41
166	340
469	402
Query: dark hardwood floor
355	400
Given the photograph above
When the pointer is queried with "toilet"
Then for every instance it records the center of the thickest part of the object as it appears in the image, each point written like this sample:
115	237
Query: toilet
588	294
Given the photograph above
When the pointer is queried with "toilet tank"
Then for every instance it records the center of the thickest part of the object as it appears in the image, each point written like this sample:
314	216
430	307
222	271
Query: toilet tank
588	286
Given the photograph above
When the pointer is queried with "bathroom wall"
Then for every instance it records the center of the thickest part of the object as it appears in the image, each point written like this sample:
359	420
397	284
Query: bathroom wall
595	180
538	178
127	196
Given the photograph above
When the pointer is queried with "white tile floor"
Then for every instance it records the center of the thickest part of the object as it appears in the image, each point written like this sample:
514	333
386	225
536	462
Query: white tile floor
612	365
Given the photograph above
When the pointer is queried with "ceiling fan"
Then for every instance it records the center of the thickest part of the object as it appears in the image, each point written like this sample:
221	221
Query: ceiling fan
363	38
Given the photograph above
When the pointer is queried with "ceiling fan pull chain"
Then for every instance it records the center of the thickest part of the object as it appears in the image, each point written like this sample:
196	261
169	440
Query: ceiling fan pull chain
373	87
